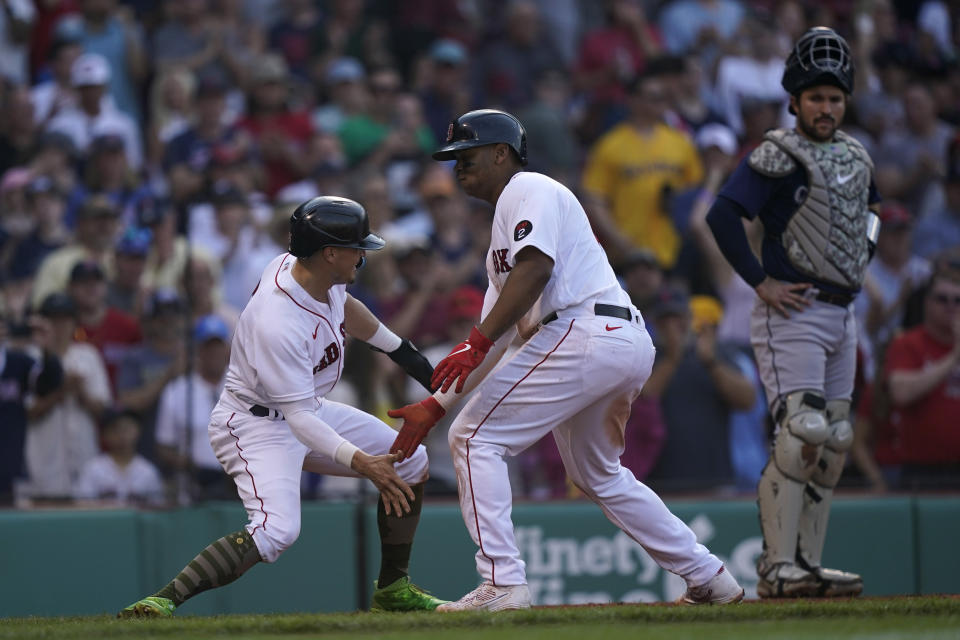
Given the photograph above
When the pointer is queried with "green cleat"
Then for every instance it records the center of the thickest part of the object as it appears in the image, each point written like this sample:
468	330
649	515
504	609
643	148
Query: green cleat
149	607
403	595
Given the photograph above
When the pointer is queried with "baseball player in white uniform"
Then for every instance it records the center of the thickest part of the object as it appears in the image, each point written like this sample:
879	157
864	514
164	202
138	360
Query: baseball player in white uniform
272	419
812	187
584	357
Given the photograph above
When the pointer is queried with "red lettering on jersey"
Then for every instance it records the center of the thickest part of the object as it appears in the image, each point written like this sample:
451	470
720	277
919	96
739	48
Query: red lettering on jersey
330	355
343	331
500	264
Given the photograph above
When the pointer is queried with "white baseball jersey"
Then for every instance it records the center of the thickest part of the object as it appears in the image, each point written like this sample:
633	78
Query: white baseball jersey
288	347
300	356
535	210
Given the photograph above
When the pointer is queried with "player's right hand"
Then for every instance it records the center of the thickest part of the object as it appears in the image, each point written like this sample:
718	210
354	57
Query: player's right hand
418	419
462	359
781	295
396	494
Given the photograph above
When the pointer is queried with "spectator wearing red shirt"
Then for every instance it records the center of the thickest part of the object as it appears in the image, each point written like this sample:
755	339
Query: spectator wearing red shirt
283	135
923	378
110	330
876	443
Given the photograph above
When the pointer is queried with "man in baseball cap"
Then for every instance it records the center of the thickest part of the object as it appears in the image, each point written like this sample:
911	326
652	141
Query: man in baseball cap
96	112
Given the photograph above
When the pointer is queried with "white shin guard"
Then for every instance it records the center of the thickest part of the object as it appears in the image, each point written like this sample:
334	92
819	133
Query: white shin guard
780	500
797	447
818	495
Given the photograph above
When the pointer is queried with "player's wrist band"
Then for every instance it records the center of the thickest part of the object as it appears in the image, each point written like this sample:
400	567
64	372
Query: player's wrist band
445	400
344	453
384	339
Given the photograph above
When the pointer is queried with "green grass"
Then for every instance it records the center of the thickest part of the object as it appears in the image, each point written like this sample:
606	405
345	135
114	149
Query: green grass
926	618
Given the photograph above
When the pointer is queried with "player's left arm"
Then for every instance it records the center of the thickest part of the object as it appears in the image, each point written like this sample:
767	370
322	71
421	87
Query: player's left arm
527	280
360	322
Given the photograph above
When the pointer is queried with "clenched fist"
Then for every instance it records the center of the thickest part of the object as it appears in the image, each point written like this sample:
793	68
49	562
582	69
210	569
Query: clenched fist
418	419
464	358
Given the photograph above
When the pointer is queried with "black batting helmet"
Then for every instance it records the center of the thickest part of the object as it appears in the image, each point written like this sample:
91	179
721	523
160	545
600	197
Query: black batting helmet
328	221
820	56
483	127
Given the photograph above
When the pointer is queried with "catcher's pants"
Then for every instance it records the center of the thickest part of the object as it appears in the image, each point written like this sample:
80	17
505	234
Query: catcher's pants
265	459
813	349
576	377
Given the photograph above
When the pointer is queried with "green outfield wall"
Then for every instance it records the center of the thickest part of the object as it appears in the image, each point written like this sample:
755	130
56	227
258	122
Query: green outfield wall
69	562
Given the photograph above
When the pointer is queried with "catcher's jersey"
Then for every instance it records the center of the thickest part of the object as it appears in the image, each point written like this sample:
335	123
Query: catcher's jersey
288	346
536	210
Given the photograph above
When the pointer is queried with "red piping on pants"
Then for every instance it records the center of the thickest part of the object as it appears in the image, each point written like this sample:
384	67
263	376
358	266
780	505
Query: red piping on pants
473	500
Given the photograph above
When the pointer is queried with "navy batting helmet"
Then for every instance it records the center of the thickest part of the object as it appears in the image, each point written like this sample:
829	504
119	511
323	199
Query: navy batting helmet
483	127
820	56
329	221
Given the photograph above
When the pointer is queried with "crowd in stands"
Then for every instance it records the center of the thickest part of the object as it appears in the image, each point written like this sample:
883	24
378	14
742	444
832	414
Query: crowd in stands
152	152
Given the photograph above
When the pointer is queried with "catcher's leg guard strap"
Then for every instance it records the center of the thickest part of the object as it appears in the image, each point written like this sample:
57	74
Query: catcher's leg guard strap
803	428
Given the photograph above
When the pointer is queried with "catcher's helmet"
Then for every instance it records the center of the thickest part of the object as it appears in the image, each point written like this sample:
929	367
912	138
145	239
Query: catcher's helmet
820	56
328	221
483	127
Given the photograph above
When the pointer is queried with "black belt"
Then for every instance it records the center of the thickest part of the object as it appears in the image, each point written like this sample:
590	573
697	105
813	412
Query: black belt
262	412
839	299
610	310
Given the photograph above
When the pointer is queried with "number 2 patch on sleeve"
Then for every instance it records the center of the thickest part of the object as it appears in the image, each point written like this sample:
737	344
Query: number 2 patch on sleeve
522	230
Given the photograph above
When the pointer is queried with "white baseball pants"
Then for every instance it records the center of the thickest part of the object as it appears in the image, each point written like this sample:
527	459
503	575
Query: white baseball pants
265	460
576	378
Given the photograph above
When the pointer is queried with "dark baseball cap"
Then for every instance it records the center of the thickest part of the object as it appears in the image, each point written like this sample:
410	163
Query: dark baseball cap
57	140
86	270
135	241
227	194
112	416
107	142
151	211
671	300
57	305
212	84
163	302
636	258
894	215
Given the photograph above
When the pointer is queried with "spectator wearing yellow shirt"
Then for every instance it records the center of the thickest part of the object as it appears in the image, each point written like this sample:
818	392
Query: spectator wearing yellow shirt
632	170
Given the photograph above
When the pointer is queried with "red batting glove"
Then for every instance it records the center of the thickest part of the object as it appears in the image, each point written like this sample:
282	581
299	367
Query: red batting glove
418	419
464	358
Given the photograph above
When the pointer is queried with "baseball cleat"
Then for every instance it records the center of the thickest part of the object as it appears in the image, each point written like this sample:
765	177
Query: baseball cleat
491	597
149	607
403	595
785	580
722	588
833	583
